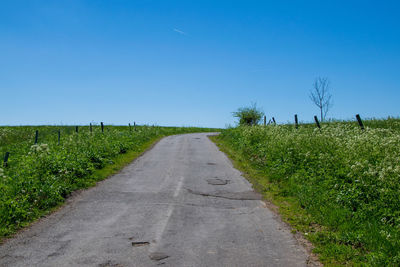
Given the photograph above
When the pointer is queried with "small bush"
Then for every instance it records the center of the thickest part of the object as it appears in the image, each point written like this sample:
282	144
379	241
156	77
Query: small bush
248	115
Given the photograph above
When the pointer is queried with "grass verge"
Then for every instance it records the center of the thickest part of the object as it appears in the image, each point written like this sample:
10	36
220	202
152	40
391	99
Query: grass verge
286	206
39	176
118	163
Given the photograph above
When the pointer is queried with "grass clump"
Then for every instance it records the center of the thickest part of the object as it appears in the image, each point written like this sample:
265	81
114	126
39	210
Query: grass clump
340	185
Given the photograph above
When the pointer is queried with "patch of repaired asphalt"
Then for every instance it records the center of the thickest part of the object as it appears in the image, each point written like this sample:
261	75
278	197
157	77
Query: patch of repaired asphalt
245	195
217	181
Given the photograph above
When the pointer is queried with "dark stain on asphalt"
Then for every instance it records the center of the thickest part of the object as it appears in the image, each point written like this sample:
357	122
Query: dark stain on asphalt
211	163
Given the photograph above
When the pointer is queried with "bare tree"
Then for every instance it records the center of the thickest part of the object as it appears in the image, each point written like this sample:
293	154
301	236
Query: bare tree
321	96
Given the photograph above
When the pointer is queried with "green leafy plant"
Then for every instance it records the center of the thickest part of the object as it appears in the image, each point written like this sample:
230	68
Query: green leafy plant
248	115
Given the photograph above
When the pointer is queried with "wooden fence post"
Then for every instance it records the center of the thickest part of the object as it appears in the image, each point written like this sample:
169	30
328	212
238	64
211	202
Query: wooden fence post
102	127
265	120
317	122
273	119
90	127
59	136
36	136
76	129
134	125
360	122
296	121
5	162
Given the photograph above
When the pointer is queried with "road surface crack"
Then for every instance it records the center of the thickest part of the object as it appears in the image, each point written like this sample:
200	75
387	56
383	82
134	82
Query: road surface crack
245	195
217	181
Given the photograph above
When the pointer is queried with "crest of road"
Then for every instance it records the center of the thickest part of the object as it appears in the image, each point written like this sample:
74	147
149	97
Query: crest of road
180	204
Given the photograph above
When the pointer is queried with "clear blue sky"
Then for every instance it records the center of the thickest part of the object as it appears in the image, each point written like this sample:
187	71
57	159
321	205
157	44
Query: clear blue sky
194	62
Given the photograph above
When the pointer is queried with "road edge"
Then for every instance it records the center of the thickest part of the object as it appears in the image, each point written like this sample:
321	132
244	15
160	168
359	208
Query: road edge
313	259
102	175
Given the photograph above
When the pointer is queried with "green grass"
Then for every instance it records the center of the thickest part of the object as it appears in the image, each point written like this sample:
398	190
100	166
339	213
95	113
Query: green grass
39	177
340	185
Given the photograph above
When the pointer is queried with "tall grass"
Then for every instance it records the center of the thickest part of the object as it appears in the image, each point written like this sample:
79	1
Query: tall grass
346	179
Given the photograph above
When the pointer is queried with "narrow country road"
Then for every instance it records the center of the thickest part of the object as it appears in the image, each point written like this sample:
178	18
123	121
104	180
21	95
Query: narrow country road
180	204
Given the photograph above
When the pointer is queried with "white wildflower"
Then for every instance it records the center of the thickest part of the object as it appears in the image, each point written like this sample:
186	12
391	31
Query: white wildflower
39	149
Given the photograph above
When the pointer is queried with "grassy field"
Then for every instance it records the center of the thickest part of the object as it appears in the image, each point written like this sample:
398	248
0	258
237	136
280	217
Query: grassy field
340	185
39	177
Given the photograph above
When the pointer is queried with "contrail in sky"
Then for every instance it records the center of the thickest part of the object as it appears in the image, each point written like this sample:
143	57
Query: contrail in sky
179	31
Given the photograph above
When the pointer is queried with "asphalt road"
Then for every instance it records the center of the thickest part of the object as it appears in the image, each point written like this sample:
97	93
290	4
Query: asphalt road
180	204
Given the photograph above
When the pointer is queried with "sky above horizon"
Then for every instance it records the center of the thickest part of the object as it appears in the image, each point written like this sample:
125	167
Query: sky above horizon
192	63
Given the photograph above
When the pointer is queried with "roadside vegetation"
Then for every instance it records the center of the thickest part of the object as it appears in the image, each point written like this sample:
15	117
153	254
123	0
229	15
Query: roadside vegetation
38	177
338	185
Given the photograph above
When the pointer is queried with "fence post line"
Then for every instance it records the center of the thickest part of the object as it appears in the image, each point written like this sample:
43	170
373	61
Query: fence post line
5	162
90	127
76	129
36	136
265	120
59	136
317	122
360	122
134	125
273	119
102	127
296	121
